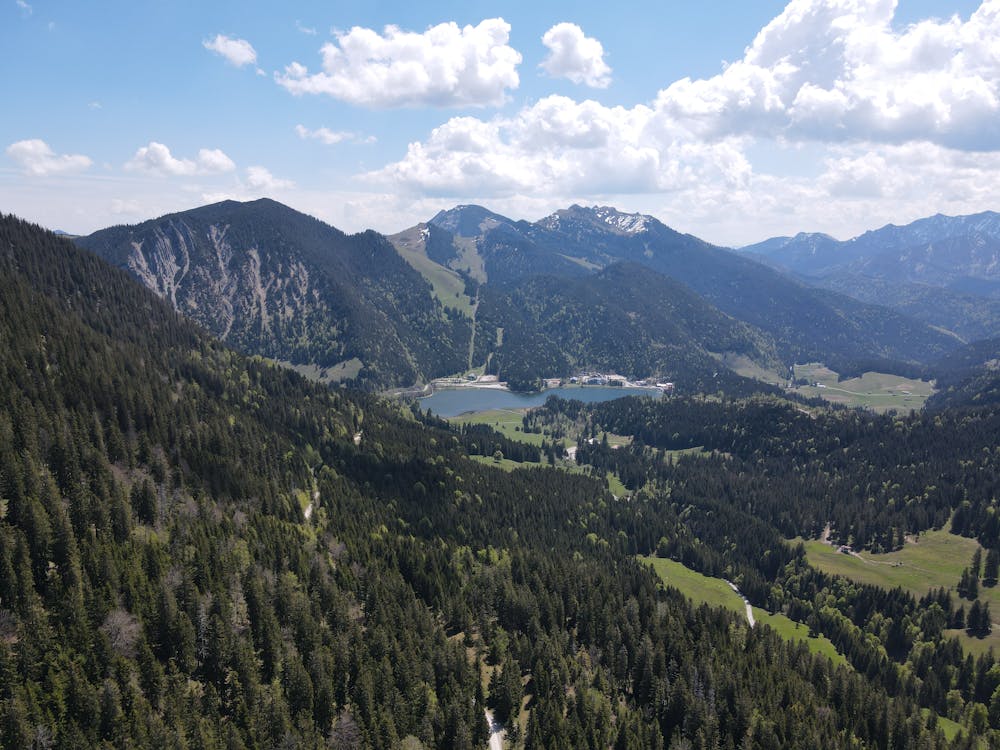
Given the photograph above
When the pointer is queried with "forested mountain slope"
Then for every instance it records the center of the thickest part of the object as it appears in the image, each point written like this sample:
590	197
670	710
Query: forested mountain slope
157	584
271	281
807	324
198	549
506	248
968	377
726	483
625	319
942	270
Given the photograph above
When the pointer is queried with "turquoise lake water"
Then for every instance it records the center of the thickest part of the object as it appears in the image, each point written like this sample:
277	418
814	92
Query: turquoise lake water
451	403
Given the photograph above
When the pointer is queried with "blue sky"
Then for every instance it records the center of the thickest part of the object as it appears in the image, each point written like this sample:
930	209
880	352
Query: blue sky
731	120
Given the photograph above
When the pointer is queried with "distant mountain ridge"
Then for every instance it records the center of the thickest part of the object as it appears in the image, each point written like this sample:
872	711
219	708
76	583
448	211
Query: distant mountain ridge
945	270
805	323
269	280
931	250
381	313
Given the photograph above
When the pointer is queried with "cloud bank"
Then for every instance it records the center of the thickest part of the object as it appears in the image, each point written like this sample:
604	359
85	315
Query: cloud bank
832	75
36	158
837	70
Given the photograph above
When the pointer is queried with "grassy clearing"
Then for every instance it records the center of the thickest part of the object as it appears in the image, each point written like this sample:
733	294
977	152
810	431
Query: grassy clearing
978	646
447	286
696	451
877	391
949	727
505	421
796	631
506	464
746	367
509	422
341	371
615	440
934	560
615	485
717	593
697	587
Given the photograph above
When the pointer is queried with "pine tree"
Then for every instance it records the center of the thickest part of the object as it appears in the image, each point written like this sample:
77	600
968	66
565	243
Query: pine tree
968	585
506	691
958	618
979	619
992	570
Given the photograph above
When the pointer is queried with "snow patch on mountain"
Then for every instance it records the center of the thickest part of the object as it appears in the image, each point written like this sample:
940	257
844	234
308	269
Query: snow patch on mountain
612	218
625	223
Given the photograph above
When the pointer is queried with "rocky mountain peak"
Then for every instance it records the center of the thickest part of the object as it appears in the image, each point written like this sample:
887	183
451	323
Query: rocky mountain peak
605	217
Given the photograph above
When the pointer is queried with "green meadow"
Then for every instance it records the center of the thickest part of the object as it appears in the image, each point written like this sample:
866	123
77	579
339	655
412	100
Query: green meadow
717	593
934	559
877	391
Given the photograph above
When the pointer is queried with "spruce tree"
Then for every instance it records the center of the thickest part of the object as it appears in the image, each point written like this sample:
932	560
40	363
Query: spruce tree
992	570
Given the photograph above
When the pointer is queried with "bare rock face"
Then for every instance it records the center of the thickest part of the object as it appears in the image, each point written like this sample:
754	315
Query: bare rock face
271	281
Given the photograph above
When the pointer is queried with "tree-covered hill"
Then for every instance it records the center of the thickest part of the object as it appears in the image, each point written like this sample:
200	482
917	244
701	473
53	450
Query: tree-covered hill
968	377
198	549
268	280
625	319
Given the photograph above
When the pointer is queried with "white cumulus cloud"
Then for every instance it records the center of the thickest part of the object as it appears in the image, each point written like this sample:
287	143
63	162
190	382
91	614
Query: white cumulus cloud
238	52
575	56
559	145
156	158
875	118
36	157
838	70
445	66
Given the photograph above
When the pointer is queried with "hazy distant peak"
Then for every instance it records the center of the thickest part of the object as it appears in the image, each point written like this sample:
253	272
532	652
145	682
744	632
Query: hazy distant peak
808	241
814	236
468	220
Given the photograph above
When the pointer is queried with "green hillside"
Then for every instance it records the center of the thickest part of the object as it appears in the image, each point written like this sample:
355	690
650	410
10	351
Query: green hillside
161	584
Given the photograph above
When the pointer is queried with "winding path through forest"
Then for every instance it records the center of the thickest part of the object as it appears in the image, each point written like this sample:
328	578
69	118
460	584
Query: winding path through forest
496	731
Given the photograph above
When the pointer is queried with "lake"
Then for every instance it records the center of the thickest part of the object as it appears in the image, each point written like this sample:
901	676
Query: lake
455	401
